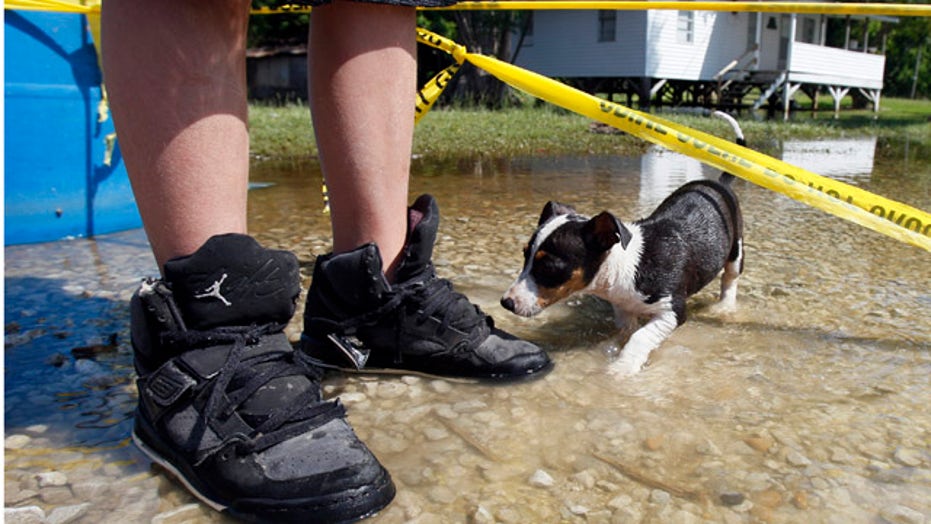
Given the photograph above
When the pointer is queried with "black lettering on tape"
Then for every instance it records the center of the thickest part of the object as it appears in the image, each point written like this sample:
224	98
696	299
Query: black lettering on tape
422	103
891	217
913	221
910	223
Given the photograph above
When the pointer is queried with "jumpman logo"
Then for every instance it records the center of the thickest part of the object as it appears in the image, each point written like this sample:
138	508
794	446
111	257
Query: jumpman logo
214	291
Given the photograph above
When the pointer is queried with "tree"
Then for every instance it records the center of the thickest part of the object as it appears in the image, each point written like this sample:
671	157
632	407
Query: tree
431	61
286	29
908	59
485	32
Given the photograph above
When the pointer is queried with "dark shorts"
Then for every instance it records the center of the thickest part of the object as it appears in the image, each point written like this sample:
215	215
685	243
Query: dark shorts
412	3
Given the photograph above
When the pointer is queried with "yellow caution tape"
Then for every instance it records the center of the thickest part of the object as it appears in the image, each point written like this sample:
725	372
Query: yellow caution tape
880	214
326	198
823	8
59	6
287	8
429	93
432	90
897	220
826	8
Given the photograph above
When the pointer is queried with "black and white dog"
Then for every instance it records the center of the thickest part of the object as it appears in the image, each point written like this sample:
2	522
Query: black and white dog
645	269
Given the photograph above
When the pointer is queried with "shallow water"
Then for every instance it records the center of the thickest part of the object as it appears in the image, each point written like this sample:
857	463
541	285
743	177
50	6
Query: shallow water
809	404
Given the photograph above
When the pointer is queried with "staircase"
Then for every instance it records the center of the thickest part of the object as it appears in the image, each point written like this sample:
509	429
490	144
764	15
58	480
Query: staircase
769	91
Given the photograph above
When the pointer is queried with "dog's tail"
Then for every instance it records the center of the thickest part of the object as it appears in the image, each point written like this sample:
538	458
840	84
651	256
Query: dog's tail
726	178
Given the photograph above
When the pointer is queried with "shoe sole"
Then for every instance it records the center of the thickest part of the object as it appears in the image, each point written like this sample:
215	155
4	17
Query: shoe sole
310	513
168	466
487	380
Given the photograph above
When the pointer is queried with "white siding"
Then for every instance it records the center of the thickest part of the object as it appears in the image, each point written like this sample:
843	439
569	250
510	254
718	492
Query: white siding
771	38
719	37
565	43
832	66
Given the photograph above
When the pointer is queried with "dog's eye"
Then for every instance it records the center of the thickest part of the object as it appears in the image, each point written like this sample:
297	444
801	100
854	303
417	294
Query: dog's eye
551	271
551	263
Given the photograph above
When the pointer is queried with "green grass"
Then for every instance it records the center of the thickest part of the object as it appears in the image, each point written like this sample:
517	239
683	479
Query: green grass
286	131
514	132
281	131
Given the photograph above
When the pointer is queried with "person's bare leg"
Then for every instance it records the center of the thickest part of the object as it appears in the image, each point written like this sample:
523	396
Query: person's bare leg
175	74
362	75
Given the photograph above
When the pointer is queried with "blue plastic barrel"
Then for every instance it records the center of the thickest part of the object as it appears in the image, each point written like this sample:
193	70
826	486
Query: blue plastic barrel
57	182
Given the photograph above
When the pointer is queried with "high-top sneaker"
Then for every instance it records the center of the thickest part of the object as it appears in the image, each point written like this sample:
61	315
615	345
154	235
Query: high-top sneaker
355	320
227	405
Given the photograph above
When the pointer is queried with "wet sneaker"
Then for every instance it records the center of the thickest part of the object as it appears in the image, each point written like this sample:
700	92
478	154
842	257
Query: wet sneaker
227	405
356	321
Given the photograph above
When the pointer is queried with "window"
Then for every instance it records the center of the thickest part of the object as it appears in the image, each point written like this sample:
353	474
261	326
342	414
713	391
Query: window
808	30
685	27
607	26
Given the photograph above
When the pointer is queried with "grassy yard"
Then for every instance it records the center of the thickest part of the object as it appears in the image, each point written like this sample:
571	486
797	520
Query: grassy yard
546	130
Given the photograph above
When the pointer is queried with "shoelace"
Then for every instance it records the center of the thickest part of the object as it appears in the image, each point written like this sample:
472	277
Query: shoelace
437	296
429	296
298	416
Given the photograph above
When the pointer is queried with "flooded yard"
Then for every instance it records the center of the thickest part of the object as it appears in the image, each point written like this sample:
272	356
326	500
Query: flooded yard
810	403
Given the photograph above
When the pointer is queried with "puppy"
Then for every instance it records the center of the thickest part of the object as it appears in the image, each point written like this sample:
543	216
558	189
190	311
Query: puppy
645	269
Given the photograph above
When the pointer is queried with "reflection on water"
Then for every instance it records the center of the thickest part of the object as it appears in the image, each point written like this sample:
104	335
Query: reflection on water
661	169
847	159
809	404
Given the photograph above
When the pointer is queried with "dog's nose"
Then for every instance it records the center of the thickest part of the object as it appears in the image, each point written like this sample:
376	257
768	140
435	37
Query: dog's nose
507	303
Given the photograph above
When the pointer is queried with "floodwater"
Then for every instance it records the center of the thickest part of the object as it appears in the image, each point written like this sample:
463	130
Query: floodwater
810	403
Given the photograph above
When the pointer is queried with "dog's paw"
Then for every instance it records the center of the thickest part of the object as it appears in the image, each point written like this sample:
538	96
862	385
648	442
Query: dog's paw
723	307
622	368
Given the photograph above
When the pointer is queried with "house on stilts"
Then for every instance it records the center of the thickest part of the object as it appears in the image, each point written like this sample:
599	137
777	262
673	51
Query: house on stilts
727	60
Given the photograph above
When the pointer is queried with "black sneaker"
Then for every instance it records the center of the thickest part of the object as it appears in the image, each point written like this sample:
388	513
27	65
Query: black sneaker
227	405
356	321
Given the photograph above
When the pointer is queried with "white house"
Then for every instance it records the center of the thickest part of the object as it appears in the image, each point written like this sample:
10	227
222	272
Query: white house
699	57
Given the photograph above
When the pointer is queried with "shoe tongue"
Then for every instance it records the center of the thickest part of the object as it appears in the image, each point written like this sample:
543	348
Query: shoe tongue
423	220
270	398
277	392
233	281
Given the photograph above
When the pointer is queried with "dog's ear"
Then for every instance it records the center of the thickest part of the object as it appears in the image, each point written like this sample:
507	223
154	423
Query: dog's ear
552	209
603	231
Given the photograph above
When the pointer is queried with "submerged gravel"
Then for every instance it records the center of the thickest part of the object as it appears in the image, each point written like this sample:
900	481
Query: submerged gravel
810	404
